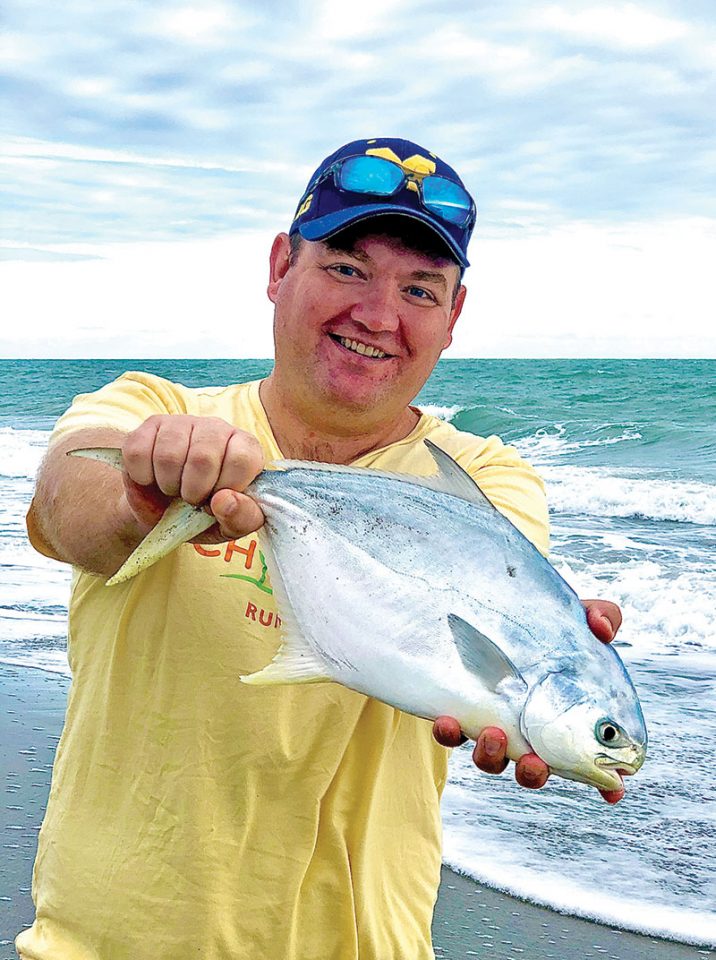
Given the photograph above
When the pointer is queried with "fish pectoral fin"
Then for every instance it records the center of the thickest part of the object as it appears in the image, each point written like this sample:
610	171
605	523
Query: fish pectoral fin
179	523
295	662
481	656
454	480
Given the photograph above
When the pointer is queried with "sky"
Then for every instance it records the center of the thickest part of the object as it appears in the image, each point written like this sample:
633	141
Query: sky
150	152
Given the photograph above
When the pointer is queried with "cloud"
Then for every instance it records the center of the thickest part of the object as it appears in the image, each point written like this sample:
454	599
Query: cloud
624	26
170	121
579	290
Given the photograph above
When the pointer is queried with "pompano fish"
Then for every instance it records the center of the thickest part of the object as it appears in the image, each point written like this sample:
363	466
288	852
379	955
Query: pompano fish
418	592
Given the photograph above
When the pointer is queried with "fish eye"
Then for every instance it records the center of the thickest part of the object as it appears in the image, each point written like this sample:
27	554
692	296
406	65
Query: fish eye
607	732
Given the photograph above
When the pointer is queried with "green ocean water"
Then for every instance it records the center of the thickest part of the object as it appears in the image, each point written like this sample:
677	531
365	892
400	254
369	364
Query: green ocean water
588	404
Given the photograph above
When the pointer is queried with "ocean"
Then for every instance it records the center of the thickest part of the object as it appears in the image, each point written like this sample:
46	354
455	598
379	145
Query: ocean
628	451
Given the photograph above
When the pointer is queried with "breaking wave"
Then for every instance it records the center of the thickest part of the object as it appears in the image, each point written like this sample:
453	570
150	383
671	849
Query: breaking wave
594	491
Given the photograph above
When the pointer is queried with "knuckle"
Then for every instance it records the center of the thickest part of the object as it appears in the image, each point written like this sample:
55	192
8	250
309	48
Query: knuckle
201	457
167	458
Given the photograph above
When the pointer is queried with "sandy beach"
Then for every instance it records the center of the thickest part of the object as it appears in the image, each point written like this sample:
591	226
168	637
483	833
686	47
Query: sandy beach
470	920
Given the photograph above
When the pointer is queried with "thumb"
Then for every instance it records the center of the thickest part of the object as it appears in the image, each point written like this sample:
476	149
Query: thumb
237	514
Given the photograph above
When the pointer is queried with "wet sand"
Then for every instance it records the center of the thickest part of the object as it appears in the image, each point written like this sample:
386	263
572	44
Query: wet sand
471	921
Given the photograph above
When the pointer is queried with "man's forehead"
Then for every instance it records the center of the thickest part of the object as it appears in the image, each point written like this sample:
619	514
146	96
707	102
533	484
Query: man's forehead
369	246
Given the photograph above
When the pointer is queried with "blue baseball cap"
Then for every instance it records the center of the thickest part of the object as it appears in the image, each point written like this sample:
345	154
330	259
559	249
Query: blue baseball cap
407	180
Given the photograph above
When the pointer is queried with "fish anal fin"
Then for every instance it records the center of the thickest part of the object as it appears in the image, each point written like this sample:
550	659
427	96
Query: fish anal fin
294	663
481	656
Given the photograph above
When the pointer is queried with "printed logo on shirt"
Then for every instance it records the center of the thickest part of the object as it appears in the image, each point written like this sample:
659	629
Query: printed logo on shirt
254	563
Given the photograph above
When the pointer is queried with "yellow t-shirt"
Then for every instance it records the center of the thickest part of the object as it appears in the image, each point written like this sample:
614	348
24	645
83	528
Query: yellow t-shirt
191	816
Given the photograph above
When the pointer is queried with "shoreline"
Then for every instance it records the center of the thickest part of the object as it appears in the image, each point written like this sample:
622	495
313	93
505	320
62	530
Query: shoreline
471	919
474	920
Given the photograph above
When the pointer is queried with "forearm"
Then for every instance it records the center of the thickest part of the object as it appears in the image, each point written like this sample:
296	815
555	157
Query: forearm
79	513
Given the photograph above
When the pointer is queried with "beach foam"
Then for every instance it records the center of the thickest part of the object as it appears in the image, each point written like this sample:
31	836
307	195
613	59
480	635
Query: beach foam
21	451
598	492
545	887
442	413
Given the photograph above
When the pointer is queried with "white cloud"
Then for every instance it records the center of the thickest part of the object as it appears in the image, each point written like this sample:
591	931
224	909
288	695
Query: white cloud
625	26
592	290
209	25
25	148
198	298
578	290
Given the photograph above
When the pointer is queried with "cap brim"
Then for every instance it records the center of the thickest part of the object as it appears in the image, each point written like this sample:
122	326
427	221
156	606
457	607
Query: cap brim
323	227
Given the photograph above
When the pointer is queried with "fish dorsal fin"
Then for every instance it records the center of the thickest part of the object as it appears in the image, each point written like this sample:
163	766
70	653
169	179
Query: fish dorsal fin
455	480
450	479
295	661
481	656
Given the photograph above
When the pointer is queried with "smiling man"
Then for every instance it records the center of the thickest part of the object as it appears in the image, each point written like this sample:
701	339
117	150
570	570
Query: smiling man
193	816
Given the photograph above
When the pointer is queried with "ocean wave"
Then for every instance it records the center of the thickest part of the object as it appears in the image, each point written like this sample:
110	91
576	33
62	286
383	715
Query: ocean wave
49	661
21	451
547	444
442	413
593	491
570	897
663	612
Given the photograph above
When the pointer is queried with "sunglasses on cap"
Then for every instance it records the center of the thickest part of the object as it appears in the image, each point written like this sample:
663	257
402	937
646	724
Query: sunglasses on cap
380	177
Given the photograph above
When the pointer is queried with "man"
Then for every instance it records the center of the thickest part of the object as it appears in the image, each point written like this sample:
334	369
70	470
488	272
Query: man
192	816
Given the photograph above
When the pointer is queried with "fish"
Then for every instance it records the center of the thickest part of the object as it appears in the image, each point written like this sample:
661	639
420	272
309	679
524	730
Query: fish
418	592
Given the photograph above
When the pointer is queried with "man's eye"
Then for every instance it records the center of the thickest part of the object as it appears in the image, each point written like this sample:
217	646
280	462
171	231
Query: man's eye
345	269
420	293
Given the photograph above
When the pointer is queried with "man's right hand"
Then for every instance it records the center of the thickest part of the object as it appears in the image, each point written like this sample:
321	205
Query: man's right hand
203	460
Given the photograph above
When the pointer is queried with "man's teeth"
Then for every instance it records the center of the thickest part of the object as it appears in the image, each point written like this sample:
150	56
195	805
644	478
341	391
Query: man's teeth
361	348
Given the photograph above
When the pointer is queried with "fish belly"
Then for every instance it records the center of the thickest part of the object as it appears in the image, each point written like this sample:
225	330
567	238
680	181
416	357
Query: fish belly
378	631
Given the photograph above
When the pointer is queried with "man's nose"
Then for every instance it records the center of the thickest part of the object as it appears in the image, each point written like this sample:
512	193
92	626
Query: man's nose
377	307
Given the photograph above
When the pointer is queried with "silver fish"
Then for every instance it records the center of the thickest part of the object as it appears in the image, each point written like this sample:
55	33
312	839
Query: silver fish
418	592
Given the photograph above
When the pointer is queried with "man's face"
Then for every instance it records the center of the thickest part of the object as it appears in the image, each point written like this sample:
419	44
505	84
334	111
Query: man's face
360	330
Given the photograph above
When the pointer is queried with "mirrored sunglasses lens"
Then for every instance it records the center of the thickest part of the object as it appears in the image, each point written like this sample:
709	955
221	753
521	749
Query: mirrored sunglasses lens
370	175
447	199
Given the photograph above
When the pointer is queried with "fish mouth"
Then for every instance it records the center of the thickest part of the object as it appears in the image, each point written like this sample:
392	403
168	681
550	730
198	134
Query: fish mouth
608	774
624	767
609	778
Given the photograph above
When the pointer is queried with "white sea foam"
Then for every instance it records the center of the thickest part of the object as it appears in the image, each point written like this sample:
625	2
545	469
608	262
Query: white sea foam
504	871
544	446
442	413
663	612
595	491
50	661
21	451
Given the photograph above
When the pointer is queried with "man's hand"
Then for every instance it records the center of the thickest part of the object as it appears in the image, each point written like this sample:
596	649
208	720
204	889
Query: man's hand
203	460
490	753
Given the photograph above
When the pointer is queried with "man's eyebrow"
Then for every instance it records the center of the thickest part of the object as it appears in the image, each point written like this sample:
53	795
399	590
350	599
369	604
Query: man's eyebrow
431	276
356	254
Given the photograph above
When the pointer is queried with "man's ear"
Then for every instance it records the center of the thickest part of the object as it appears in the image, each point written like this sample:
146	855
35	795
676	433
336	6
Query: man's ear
279	262
455	313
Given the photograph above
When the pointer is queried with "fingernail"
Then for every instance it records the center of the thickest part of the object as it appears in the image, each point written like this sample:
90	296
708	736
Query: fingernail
492	747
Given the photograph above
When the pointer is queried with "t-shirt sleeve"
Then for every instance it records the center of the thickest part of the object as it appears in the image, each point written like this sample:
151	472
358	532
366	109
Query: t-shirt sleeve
123	405
515	488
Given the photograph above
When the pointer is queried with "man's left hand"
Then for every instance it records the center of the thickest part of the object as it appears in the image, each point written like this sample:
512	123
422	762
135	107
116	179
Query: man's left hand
490	754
